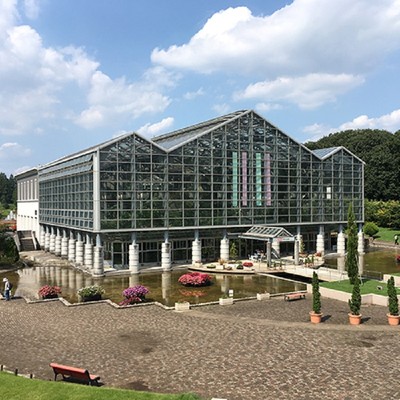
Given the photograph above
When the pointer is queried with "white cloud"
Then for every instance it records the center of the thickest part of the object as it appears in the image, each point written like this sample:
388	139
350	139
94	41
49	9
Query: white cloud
309	91
222	108
12	151
42	85
31	8
303	37
150	130
389	122
265	107
193	95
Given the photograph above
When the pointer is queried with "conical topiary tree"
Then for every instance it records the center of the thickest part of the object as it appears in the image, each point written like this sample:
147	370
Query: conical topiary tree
392	294
352	254
316	294
355	302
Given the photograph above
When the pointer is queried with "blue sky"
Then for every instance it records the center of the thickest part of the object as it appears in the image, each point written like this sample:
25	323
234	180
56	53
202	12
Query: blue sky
75	74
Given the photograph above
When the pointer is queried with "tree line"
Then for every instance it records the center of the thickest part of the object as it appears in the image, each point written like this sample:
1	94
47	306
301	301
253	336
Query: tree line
8	191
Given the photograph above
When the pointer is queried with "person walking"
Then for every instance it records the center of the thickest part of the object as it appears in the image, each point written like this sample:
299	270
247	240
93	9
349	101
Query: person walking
7	289
396	239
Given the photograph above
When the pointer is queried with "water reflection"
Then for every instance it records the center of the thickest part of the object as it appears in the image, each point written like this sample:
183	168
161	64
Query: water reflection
375	263
163	286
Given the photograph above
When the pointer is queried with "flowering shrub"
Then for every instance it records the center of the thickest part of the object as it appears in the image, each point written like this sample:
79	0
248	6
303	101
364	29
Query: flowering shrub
133	295
195	279
47	291
398	259
247	264
91	291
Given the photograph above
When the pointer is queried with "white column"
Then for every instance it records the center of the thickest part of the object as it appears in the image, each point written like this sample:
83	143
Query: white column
341	243
269	252
71	247
42	237
196	251
166	256
52	247
276	246
47	241
360	247
296	252
64	245
57	247
224	249
134	258
88	253
320	241
98	261
79	250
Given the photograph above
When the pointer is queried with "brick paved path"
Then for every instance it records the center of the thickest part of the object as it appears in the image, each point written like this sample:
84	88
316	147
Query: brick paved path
251	350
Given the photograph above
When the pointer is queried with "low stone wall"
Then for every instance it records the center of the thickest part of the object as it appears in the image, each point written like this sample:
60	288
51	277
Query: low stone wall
371	298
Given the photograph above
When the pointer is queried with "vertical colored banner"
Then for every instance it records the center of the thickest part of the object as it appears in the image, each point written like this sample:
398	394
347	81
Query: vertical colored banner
244	178
267	177
235	180
258	180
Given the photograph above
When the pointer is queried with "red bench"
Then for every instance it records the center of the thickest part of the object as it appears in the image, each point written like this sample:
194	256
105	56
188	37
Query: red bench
78	374
294	296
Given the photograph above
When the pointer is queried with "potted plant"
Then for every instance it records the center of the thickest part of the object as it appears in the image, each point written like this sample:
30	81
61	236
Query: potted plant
91	293
195	279
355	304
225	300
393	315
315	314
49	292
134	295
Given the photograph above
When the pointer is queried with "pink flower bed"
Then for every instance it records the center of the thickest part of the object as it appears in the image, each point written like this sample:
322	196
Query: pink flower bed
247	264
195	279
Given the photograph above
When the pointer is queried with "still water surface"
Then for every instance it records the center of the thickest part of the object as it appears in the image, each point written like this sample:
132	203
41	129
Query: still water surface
164	286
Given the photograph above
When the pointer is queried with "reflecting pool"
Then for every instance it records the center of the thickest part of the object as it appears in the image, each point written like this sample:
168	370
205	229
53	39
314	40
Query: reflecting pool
374	263
163	286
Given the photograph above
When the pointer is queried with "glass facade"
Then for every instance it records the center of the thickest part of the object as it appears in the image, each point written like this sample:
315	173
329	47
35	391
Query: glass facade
225	174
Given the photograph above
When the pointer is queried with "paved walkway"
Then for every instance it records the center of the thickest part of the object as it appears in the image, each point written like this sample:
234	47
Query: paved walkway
251	350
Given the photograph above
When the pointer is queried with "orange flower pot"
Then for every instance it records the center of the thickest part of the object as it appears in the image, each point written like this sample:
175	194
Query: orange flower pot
315	318
393	320
355	319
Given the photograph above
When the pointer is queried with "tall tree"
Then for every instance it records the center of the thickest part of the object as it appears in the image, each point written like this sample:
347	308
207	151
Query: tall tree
352	253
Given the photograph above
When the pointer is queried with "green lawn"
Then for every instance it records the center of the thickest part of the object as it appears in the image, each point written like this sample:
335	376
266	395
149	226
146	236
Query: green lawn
368	286
20	388
387	234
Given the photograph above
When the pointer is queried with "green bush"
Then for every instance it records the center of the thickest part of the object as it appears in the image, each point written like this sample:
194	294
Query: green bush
316	294
393	300
355	301
8	250
371	229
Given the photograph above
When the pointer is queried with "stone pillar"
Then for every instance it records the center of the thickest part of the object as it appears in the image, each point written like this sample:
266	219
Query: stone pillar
42	237
47	240
52	248
134	258
79	250
224	249
88	257
64	245
361	264
360	247
166	256
57	248
98	258
269	253
341	242
71	247
321	241
296	252
196	251
276	247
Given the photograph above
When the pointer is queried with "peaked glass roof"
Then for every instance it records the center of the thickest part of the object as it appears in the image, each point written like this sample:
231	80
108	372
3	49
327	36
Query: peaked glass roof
176	138
322	153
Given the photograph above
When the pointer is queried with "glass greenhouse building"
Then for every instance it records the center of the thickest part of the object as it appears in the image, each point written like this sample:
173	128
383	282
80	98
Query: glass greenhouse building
182	197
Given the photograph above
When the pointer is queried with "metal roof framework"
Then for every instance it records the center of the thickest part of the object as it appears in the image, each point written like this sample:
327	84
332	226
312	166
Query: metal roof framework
266	233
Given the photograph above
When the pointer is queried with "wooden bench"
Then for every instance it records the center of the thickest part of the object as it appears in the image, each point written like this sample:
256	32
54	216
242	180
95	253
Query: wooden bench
78	374
294	296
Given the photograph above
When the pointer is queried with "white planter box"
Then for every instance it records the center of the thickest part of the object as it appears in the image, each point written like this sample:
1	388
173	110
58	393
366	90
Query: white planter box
226	302
263	296
183	306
